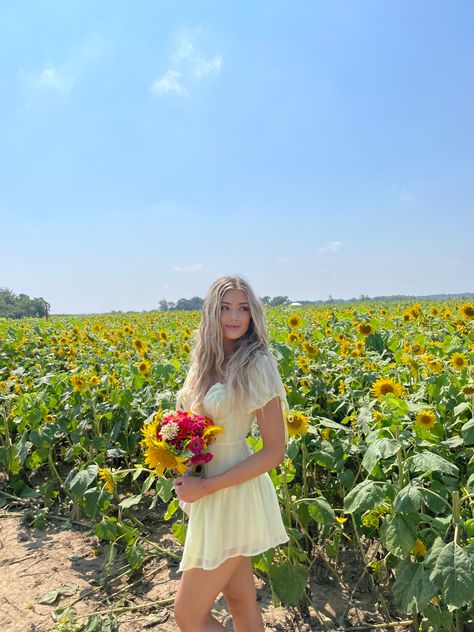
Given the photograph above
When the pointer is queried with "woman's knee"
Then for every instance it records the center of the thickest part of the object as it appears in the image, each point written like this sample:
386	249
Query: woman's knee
186	619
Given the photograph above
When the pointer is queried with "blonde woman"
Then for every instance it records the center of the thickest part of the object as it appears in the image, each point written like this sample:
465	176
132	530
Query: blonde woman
233	509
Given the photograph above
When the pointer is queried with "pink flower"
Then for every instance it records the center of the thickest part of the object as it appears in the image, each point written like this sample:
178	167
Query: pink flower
196	445
199	459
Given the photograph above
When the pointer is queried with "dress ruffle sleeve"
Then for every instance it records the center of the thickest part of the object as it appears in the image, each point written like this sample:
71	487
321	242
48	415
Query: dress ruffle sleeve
265	383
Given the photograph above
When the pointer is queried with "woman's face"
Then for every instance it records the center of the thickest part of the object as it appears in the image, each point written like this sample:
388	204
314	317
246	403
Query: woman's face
235	314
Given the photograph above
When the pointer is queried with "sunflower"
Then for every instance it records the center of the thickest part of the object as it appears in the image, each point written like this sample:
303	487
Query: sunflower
434	364
292	337
160	458
426	418
78	383
467	310
419	549
138	344
377	415
294	321
310	349
186	348
106	475
365	329
210	432
297	424
163	336
458	361
435	311
417	349
341	387
468	389
386	385
144	367
303	364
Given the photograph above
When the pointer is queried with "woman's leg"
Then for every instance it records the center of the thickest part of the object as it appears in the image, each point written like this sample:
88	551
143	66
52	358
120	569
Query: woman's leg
196	594
241	597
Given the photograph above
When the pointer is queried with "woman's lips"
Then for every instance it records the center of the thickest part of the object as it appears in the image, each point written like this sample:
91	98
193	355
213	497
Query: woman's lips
233	326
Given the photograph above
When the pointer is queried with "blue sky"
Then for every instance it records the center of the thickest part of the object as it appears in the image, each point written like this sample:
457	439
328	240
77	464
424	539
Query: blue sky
316	148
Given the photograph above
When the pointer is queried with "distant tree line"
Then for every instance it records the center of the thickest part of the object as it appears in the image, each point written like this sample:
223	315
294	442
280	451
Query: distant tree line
196	303
21	306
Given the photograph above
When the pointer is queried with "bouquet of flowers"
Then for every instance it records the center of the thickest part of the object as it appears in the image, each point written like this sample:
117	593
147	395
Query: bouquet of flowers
177	441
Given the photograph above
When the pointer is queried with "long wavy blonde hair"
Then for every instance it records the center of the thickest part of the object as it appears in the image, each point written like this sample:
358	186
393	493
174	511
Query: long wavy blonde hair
207	354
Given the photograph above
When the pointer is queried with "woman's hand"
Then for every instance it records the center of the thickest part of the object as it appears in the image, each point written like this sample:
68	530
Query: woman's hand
191	488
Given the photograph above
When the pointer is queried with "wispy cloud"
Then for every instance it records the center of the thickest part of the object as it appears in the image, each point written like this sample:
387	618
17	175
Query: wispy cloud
188	64
169	82
61	77
48	79
194	267
331	246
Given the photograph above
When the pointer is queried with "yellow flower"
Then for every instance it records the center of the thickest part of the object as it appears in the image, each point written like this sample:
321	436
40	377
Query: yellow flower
106	475
309	349
186	348
139	346
419	548
426	418
144	367
303	364
297	424
365	329
468	389
294	321
342	388
386	385
417	349
434	364
458	361
78	383
377	415
435	311
326	433
95	379
341	520
210	432
292	337
163	336
160	458
467	310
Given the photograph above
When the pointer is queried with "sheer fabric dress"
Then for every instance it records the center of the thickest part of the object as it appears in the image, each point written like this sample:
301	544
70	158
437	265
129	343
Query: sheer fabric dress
243	519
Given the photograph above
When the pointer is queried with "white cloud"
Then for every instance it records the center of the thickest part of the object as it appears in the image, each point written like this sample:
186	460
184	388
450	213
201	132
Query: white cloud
169	82
62	77
195	267
48	78
187	63
331	246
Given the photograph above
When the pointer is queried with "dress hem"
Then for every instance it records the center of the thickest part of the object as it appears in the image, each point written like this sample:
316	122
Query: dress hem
257	552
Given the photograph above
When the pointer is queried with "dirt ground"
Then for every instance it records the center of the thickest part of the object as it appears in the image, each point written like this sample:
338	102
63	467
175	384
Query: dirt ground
34	562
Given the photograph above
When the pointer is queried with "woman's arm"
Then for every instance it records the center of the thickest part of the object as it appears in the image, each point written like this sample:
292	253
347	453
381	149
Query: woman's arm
271	424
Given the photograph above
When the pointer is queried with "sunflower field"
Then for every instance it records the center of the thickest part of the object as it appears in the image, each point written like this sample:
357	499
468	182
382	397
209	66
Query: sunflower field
380	457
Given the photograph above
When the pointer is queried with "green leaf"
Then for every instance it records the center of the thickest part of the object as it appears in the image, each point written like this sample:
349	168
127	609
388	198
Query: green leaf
130	501
468	432
410	499
164	488
453	573
136	555
412	588
106	529
81	481
429	462
172	508
65	590
398	533
289	581
365	495
179	531
321	511
460	408
378	450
